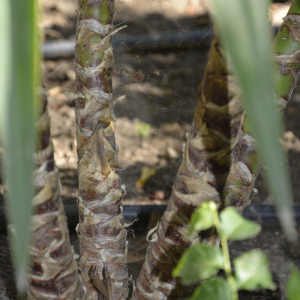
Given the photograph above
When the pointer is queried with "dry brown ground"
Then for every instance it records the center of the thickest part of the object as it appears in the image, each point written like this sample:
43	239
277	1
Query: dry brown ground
165	100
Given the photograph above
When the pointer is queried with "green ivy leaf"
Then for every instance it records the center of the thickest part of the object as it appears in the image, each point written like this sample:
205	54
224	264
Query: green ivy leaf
252	271
216	288
201	219
200	261
293	286
236	227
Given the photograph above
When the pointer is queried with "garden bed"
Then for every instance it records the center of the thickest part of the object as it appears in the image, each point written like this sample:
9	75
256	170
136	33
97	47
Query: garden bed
150	127
271	240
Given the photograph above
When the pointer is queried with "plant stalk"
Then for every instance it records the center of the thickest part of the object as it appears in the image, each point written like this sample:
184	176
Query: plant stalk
19	61
225	251
54	272
246	161
103	246
200	178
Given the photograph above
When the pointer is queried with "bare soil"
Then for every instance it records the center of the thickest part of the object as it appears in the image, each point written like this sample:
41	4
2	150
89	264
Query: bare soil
165	99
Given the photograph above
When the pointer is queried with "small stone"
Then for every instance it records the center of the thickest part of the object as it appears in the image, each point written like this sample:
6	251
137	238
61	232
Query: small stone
157	195
172	152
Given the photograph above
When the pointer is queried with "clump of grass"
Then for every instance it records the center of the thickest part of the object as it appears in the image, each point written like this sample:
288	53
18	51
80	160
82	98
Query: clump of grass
143	130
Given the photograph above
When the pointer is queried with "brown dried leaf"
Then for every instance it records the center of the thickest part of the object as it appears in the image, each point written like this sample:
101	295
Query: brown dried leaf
99	285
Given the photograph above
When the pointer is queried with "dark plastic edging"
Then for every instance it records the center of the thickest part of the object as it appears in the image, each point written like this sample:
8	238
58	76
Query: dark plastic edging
165	41
156	42
260	213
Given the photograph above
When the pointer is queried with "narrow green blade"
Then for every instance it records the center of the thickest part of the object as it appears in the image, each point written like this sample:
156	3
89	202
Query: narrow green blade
5	52
17	116
246	34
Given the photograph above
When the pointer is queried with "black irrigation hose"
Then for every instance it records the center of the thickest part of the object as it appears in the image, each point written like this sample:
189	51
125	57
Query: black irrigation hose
137	43
150	43
265	214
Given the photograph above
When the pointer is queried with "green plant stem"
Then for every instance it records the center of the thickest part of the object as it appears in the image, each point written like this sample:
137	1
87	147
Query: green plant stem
225	251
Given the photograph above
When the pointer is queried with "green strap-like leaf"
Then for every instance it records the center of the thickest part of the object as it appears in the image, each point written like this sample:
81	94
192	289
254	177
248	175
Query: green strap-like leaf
5	54
17	115
235	227
200	261
252	271
246	34
216	288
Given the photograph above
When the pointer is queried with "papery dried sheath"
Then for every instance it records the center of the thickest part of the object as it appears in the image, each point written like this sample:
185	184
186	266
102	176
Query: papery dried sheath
101	230
54	272
201	177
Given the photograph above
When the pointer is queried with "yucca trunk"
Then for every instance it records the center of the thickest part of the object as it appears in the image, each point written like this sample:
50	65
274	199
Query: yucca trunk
246	165
168	244
201	177
246	162
54	272
103	248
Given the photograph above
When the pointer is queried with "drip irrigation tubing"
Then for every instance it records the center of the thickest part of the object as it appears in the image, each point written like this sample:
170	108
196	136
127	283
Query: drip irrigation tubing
197	39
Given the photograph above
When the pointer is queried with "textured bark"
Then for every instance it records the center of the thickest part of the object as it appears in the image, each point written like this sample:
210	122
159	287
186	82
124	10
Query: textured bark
103	248
201	177
54	272
246	162
246	165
